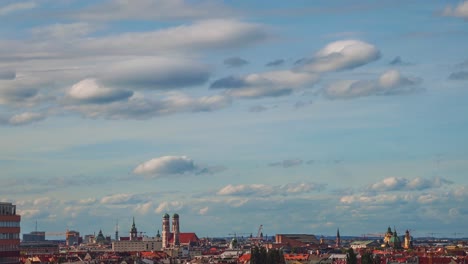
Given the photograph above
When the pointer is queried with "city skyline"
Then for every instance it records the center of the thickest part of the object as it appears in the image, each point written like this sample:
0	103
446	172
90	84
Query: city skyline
301	116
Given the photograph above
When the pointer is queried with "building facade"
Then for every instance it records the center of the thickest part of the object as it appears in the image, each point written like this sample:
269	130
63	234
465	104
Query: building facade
9	234
146	244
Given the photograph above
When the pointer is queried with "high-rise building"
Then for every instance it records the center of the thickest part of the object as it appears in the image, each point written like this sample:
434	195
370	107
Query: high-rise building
9	234
72	238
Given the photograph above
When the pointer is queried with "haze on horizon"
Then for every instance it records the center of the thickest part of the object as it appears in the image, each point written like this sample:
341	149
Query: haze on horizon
302	116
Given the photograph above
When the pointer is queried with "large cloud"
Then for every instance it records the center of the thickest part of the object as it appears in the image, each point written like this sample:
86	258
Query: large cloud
202	35
89	91
273	83
389	83
461	10
340	55
166	165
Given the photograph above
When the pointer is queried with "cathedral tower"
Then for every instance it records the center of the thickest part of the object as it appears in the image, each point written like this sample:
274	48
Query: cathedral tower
175	229
165	231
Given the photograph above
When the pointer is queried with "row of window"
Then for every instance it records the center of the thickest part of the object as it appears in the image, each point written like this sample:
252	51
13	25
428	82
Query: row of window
9	224
9	236
9	247
7	260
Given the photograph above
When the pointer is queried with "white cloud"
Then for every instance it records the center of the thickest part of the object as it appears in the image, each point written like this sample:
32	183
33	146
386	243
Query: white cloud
11	8
260	190
26	118
117	198
144	208
89	91
461	10
389	83
166	165
403	184
87	201
66	32
201	35
340	55
169	206
371	199
203	210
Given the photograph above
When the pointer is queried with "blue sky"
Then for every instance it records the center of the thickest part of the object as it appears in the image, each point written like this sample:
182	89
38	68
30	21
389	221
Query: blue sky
301	116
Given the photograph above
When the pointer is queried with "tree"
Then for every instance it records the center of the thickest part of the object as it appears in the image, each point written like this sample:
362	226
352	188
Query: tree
367	258
351	257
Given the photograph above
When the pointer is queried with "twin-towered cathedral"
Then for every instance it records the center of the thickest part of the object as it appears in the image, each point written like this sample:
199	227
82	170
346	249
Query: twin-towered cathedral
171	237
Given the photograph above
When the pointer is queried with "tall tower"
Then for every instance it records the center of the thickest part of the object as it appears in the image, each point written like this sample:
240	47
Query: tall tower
133	231
338	239
117	230
165	231
408	240
175	229
9	234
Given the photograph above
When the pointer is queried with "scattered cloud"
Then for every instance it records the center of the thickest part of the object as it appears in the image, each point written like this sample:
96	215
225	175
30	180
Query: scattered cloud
169	206
389	83
403	184
121	198
275	63
165	10
461	10
398	61
235	62
340	55
64	32
459	76
25	118
263	190
15	7
266	84
140	107
247	190
287	163
144	208
204	210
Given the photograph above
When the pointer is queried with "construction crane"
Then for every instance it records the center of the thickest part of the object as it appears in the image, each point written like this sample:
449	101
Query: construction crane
380	235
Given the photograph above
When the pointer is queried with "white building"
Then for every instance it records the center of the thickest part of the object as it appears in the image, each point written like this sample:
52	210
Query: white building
146	244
